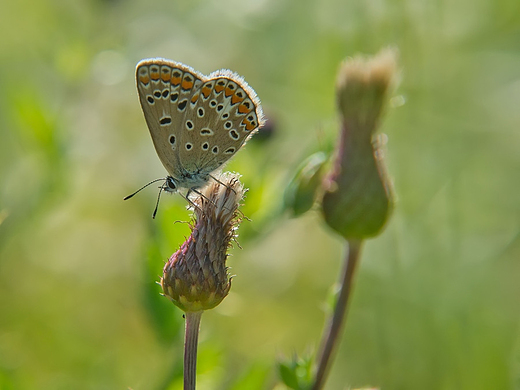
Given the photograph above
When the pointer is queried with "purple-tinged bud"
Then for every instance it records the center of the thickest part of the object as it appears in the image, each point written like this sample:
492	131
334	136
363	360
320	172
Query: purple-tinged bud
195	277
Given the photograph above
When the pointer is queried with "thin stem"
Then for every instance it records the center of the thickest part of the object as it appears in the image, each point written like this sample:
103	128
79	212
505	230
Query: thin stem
191	339
331	337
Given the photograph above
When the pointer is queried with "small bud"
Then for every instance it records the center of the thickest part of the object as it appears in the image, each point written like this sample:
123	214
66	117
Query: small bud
301	192
195	277
358	195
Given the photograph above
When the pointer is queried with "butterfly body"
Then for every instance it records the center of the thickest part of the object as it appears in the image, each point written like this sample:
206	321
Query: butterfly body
197	123
187	180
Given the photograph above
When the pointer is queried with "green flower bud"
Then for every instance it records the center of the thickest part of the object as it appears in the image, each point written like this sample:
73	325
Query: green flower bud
196	278
300	193
358	192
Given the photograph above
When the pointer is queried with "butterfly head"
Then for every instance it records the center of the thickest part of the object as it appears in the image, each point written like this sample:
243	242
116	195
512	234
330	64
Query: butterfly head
170	185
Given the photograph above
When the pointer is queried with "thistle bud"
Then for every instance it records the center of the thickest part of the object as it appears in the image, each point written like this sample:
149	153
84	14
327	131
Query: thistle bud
195	277
358	196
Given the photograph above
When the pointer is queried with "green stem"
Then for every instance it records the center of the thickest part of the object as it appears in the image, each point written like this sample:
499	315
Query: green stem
190	349
331	337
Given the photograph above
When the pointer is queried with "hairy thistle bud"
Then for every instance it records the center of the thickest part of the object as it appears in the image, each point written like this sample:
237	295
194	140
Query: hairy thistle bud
195	277
358	197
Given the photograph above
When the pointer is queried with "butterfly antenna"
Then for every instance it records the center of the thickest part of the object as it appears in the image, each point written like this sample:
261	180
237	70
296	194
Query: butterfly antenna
142	188
157	204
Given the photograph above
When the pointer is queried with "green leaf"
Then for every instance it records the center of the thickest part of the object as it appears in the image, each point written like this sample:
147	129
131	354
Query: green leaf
297	373
301	191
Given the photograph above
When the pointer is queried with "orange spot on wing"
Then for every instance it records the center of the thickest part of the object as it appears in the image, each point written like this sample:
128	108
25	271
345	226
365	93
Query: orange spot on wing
235	99
165	77
206	91
175	80
242	109
144	79
195	98
154	75
248	124
186	84
218	88
228	92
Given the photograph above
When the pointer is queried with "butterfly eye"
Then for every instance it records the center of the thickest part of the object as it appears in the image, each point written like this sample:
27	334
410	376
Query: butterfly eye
170	184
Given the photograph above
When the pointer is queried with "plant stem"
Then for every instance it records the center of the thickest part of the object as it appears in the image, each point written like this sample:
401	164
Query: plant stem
191	339
331	337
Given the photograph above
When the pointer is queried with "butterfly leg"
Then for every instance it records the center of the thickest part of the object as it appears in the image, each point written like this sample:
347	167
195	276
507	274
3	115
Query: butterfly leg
212	202
223	184
202	195
187	197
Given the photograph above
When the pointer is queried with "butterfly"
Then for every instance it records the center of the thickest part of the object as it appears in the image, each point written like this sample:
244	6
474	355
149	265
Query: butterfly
197	122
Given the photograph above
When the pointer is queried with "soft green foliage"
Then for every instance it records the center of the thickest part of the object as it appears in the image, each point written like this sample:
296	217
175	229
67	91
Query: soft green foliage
435	302
297	373
255	378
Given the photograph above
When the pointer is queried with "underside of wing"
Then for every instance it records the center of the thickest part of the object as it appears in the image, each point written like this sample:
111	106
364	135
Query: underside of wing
165	88
197	123
223	113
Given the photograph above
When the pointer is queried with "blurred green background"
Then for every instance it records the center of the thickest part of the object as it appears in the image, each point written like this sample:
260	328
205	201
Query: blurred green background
437	299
